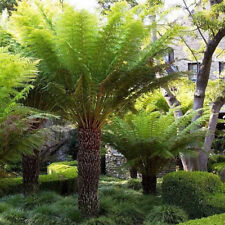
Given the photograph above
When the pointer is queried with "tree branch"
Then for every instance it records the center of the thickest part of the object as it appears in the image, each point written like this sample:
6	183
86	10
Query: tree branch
198	28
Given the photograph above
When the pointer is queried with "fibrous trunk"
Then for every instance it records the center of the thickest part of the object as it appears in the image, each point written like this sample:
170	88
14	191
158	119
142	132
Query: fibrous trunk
31	168
133	172
149	184
88	170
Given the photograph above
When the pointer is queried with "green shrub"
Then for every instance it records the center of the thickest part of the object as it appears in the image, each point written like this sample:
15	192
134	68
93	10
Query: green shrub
99	221
62	167
63	179
134	184
166	214
212	220
195	192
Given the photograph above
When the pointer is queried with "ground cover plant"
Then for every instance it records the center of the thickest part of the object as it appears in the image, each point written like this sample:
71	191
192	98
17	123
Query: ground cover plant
117	201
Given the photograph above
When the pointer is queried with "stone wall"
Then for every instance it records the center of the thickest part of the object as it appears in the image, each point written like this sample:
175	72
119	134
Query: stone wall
116	165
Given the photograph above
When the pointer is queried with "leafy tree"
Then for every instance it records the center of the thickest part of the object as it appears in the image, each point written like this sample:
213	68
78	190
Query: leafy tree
150	140
207	21
92	68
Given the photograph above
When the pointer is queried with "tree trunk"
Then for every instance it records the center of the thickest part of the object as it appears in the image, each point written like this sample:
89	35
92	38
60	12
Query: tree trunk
88	170
201	84
133	173
31	168
203	158
149	184
173	102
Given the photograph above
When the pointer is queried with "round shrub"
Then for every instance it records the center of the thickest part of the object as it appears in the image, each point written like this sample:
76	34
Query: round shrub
166	214
191	190
211	220
134	184
99	221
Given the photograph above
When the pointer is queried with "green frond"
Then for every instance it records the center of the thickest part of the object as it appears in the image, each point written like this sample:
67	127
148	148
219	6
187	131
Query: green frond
153	136
96	64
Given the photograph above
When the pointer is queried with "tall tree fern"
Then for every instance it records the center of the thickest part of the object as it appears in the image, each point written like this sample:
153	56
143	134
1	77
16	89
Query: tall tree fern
91	67
150	140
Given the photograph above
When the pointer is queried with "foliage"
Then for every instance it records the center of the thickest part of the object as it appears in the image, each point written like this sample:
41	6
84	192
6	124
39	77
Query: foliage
152	101
217	167
16	122
216	219
215	159
106	4
210	20
150	140
87	88
196	192
62	178
166	214
7	4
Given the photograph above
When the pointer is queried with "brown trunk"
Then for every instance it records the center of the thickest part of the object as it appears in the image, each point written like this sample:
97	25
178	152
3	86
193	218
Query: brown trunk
133	173
88	170
149	184
31	168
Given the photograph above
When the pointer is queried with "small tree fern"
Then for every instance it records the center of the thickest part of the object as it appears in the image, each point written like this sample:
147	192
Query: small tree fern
150	140
91	67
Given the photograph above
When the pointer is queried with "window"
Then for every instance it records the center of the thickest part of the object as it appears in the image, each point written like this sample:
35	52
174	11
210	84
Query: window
194	68
221	67
171	56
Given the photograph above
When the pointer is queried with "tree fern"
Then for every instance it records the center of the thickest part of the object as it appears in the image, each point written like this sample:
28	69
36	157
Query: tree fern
150	140
107	55
91	66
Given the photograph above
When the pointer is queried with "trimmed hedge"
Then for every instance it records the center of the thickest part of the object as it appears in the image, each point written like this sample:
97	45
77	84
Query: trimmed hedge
212	220
62	179
200	194
62	167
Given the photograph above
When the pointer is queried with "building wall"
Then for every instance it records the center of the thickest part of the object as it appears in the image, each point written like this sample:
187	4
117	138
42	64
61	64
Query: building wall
182	55
116	165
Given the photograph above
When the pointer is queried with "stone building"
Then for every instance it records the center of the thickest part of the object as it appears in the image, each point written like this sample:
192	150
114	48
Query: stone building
116	165
184	61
